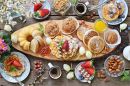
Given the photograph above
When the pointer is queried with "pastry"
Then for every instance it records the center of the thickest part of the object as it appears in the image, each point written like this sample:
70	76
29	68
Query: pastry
110	12
64	52
120	6
70	25
51	29
39	39
88	35
111	37
25	36
17	72
96	44
82	29
34	47
36	33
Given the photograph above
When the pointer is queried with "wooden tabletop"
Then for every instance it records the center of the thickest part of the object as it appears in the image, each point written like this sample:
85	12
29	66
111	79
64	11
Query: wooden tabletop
62	81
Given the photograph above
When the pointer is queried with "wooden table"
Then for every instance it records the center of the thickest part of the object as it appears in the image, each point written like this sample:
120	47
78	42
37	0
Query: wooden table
63	81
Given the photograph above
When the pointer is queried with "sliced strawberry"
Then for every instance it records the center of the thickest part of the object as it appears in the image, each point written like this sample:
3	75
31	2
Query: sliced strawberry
10	62
65	45
37	6
41	13
17	63
87	64
91	71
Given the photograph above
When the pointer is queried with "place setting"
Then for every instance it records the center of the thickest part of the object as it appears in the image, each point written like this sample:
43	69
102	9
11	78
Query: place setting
56	45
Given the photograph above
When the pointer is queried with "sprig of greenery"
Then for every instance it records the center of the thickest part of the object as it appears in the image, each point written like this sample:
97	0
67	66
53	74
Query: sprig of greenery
41	28
61	43
14	68
74	1
125	77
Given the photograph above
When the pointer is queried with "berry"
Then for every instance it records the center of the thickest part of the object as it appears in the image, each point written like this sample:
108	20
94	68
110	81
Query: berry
128	28
122	16
110	11
113	11
65	45
80	77
111	15
126	31
119	7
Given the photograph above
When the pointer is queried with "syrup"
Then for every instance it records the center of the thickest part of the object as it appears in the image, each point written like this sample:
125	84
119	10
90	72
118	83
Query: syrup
45	50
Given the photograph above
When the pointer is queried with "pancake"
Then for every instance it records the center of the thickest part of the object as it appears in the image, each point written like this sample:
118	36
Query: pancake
106	14
82	29
96	44
121	11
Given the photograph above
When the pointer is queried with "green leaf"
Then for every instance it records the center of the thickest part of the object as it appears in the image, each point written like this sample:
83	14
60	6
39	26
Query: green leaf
11	69
7	39
1	35
8	48
2	58
41	26
126	73
43	32
60	46
127	78
18	68
122	79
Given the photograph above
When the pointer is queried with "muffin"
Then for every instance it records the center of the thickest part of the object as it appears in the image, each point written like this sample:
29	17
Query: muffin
70	25
51	29
88	35
111	37
110	12
96	44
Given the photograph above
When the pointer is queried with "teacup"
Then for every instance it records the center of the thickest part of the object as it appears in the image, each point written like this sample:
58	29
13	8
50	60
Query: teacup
55	71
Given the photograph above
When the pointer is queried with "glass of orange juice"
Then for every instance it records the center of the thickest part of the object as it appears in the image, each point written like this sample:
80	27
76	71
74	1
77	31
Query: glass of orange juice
100	25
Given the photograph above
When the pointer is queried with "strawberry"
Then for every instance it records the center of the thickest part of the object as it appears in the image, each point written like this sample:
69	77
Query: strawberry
65	45
17	63
91	71
10	62
87	64
41	13
37	6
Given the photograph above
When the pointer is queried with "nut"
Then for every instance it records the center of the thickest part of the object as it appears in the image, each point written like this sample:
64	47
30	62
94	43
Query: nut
117	70
102	71
91	15
98	75
115	64
92	18
120	62
103	76
110	69
106	79
94	13
119	66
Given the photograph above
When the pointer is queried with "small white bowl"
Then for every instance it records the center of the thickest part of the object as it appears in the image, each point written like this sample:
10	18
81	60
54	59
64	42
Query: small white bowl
118	41
126	52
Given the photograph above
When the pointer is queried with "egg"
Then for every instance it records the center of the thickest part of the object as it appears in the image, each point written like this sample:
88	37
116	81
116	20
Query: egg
48	40
123	26
14	38
88	54
70	75
8	28
126	52
66	67
82	51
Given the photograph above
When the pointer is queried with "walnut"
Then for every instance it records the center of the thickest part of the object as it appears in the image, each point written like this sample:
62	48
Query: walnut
102	71
106	79
103	76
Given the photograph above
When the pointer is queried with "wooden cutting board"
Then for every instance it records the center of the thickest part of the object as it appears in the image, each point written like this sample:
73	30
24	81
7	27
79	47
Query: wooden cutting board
52	57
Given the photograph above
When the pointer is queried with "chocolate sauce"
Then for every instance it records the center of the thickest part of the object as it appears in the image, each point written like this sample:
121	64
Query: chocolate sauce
80	8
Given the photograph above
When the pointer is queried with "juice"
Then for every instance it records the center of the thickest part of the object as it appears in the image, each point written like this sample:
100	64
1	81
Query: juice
100	25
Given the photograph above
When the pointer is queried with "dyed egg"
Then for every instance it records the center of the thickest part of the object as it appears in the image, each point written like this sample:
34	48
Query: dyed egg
82	51
123	26
66	67
88	54
8	28
48	40
14	39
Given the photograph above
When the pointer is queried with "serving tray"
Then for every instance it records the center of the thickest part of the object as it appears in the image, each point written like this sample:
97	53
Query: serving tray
117	49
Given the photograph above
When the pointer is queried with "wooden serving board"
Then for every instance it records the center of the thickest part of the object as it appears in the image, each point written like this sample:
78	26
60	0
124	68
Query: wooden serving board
52	57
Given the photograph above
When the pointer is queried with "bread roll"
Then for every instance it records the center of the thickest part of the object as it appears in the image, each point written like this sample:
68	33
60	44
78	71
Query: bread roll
34	46
39	39
36	33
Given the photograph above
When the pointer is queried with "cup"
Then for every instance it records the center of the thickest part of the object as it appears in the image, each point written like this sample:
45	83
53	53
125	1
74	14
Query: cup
80	9
55	71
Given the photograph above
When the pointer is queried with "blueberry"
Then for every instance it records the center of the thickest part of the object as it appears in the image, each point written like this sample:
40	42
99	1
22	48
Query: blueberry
80	77
122	16
113	11
120	19
126	31
128	28
111	15
110	11
119	7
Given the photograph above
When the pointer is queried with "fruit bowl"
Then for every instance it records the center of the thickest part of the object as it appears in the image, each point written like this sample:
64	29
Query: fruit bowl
45	5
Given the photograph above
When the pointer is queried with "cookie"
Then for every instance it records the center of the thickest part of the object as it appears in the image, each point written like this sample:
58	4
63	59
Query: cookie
110	12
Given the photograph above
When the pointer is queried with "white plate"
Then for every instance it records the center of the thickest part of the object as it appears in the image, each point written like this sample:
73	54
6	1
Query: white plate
115	22
25	73
76	72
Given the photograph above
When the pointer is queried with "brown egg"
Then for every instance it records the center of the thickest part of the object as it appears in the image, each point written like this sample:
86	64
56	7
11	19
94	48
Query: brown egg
40	63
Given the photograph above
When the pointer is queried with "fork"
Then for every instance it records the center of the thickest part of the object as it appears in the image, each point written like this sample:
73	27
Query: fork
2	68
98	6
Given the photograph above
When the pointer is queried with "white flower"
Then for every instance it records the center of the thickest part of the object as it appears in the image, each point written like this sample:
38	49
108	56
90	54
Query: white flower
123	26
48	40
70	75
82	51
14	39
14	23
88	54
66	67
10	18
8	28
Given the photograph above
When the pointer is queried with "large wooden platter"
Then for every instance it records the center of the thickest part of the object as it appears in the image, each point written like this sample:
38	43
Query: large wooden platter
52	57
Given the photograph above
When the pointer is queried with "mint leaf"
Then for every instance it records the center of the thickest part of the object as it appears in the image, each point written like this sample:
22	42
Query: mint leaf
41	26
18	68
11	69
43	32
127	78
126	73
122	79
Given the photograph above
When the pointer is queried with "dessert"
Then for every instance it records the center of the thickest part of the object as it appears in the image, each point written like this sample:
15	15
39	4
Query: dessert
14	66
64	47
51	29
38	66
82	29
111	37
36	33
34	47
88	35
40	40
70	25
110	12
119	5
96	44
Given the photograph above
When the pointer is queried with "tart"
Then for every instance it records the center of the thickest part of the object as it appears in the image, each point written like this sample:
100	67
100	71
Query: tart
96	44
17	72
110	12
64	52
70	25
88	35
51	29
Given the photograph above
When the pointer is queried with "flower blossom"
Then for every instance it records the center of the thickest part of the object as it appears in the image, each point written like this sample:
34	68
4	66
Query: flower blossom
3	46
1	41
